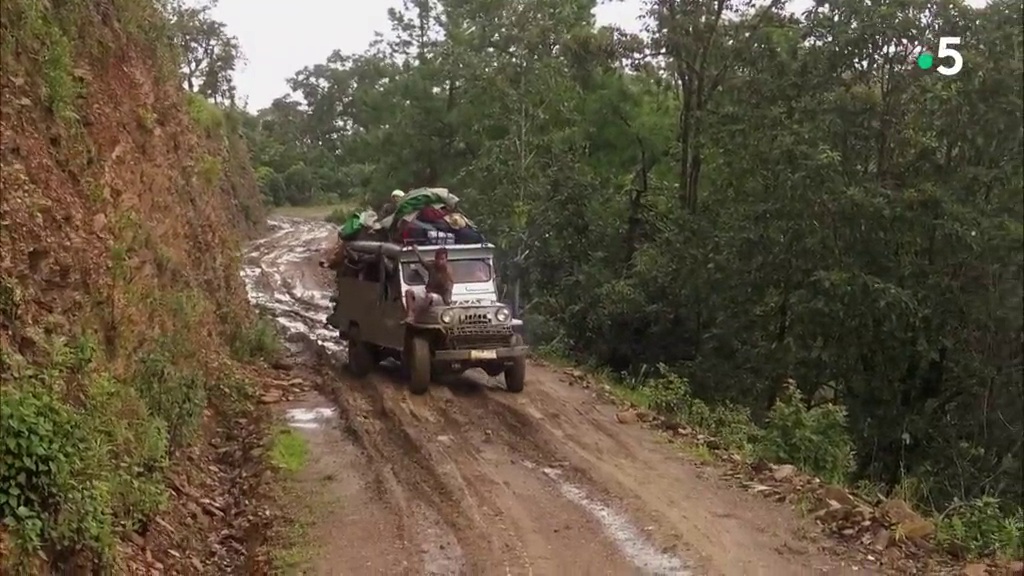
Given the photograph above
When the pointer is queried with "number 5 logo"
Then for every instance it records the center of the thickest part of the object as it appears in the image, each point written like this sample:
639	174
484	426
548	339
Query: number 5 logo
947	49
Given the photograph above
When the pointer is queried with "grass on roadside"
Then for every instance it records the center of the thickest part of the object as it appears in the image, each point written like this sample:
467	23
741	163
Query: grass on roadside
292	555
289	454
312	212
258	340
288	450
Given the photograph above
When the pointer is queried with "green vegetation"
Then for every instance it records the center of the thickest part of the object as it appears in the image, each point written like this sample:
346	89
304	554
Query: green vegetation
774	198
176	396
293	552
288	450
256	341
85	453
31	26
60	86
293	548
10	300
74	475
325	212
980	527
207	115
209	170
338	216
815	440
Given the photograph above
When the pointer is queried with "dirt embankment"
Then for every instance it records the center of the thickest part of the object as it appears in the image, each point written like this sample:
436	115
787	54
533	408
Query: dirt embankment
123	202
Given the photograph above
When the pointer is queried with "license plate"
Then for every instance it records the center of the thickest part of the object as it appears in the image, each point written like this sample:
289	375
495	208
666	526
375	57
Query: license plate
483	354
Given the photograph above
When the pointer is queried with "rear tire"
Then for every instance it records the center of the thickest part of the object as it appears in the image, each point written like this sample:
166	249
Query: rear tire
417	361
360	355
515	375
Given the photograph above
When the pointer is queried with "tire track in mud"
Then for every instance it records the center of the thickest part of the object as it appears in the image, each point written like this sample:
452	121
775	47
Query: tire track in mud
417	470
537	450
465	472
511	489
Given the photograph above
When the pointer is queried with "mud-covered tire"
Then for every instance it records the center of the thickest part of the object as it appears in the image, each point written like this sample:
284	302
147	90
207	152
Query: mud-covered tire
417	363
360	355
515	375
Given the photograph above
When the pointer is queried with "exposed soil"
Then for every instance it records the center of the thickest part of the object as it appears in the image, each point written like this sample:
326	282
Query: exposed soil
112	236
471	479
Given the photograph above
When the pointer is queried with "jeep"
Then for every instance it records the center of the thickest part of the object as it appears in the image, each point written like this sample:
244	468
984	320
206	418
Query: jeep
475	331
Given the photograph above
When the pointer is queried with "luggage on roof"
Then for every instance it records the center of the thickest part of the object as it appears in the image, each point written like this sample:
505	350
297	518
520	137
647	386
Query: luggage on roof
356	223
427	216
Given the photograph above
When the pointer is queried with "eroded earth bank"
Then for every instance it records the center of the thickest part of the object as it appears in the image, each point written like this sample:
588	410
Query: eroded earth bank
470	479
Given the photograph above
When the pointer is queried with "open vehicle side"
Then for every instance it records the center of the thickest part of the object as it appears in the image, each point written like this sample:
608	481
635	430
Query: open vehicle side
475	331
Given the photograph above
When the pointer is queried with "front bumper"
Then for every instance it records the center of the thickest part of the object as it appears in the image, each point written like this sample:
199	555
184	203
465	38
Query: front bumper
507	353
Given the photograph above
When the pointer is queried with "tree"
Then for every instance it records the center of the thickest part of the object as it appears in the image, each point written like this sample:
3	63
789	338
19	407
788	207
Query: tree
209	54
744	195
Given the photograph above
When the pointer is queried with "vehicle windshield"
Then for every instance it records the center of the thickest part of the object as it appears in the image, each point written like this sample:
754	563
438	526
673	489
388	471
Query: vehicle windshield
463	272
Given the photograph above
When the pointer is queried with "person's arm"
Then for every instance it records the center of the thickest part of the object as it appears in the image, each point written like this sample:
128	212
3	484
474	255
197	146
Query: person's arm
447	296
423	261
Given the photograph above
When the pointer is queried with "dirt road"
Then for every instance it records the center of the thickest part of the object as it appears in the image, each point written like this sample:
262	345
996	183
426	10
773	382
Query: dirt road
469	479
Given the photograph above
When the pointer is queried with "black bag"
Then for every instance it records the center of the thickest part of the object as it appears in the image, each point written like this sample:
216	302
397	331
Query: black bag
468	235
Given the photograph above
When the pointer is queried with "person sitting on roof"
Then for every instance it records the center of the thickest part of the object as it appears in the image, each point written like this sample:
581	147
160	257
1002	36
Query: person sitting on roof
438	289
389	208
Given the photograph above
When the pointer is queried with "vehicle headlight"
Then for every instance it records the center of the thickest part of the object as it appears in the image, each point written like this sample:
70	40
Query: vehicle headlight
502	315
447	316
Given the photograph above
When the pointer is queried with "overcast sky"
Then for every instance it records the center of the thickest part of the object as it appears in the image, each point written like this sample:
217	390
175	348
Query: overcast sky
280	37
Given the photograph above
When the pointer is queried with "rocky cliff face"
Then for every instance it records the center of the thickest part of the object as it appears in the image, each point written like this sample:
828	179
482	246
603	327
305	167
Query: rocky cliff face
123	319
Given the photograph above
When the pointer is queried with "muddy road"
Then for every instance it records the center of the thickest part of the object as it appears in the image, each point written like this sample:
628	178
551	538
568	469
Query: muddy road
469	479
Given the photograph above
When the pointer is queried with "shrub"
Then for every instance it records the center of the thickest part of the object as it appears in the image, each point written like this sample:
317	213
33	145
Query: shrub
177	397
133	445
258	340
981	527
815	440
209	170
670	394
338	216
205	114
50	493
76	473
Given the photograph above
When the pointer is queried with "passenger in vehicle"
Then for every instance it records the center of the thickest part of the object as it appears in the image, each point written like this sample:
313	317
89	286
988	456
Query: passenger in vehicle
336	258
438	289
391	205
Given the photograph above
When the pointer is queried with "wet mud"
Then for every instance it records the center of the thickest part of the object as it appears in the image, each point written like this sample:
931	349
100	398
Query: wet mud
469	479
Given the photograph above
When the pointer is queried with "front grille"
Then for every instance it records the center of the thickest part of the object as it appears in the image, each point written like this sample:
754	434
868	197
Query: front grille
461	337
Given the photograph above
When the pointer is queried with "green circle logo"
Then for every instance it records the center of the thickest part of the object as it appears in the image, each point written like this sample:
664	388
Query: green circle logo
925	61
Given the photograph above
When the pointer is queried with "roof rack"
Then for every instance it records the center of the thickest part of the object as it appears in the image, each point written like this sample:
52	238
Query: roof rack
405	249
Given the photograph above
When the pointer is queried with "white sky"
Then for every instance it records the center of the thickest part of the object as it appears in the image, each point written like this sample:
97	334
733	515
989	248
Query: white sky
278	38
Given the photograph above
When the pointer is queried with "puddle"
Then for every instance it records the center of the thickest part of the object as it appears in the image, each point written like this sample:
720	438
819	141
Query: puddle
309	418
648	559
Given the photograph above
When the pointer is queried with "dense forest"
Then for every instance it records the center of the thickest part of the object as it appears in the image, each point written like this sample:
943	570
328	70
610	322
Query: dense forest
736	199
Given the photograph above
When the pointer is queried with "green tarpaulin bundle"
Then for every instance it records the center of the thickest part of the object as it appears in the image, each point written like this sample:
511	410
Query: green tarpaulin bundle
356	223
419	198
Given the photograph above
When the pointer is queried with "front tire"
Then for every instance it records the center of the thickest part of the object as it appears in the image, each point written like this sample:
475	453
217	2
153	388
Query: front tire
417	361
360	355
515	375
